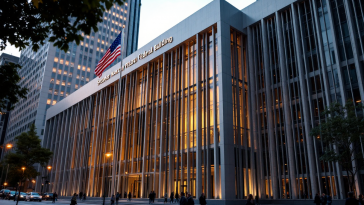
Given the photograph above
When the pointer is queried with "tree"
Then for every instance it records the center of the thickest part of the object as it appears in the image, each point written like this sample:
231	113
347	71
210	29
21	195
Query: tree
9	81
34	23
28	152
341	131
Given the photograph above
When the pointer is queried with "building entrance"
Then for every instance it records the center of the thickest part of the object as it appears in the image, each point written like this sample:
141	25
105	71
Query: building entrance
135	185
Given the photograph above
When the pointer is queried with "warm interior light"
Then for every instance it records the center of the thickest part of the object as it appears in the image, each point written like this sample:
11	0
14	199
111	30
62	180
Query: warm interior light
33	181
9	146
108	154
5	183
49	167
358	101
126	172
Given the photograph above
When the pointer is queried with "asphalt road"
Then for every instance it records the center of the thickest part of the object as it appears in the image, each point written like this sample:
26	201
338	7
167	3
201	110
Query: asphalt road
64	201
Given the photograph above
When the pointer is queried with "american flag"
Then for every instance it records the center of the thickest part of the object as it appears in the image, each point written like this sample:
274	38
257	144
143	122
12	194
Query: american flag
111	54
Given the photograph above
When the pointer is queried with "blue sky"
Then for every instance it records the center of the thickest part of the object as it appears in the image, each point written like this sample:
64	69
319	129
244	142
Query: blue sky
157	16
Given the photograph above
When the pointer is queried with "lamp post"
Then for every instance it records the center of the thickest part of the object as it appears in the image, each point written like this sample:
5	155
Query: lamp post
48	179
21	179
33	181
7	147
107	155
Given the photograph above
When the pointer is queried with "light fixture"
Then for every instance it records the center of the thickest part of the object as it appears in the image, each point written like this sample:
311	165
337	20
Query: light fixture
23	168
49	167
9	146
108	154
5	183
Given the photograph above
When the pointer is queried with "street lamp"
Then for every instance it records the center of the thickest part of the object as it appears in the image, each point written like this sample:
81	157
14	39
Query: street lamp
107	155
47	181
33	181
7	147
21	179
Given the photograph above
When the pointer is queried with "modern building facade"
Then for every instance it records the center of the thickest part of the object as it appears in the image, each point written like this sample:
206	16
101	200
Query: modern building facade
221	104
51	74
4	114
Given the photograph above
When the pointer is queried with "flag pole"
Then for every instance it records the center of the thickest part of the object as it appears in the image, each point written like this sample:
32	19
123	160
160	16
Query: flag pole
119	109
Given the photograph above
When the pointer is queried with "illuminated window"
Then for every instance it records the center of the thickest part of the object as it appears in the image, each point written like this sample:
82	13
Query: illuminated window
112	21
87	79
105	17
82	34
54	70
63	83
69	84
83	68
57	82
126	4
79	67
88	69
98	49
125	11
102	42
117	15
62	93
52	80
102	50
125	18
61	61
55	92
98	40
59	71
54	102
64	72
50	91
67	94
86	45
81	43
87	36
49	101
70	74
56	59
67	62
113	13
78	77
76	86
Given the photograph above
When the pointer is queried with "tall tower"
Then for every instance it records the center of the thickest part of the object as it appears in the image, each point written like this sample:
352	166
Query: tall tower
51	74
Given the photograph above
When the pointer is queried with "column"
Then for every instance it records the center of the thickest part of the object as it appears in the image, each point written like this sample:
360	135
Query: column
306	115
199	118
223	59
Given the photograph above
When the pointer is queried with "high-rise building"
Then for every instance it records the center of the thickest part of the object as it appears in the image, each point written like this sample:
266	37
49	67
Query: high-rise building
4	114
222	103
51	74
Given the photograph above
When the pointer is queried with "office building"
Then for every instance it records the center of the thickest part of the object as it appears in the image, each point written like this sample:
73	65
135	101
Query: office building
4	114
51	75
222	104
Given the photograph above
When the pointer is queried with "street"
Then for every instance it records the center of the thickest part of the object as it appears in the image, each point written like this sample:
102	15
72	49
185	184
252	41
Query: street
67	201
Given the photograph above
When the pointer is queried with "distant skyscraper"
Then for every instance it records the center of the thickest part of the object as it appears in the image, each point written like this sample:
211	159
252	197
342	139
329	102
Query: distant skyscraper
51	74
4	114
